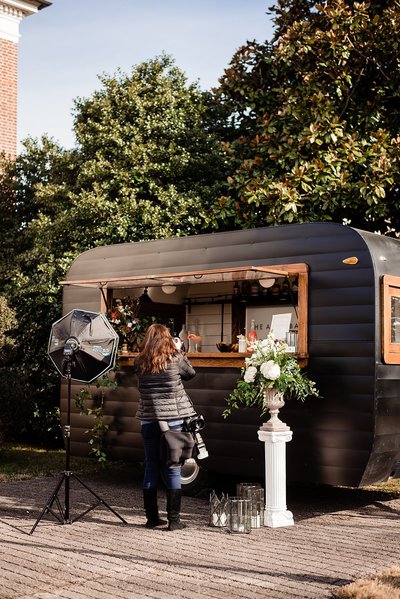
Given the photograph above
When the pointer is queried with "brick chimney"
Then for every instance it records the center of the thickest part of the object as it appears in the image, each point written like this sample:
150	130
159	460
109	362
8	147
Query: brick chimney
11	14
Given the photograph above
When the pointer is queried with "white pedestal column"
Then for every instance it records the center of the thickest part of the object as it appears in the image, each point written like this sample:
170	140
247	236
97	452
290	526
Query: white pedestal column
276	512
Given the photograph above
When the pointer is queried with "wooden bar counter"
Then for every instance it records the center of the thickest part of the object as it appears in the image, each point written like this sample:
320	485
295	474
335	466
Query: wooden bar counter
206	360
199	359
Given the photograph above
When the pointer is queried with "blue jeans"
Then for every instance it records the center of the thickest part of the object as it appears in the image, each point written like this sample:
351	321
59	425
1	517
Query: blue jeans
151	435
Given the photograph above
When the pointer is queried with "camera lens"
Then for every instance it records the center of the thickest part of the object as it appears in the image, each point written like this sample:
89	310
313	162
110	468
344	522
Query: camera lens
200	423
201	448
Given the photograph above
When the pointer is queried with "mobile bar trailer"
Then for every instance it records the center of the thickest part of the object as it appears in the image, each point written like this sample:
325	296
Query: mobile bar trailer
341	287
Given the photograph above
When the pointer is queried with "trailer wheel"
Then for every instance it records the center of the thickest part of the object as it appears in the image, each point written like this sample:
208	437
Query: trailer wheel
194	477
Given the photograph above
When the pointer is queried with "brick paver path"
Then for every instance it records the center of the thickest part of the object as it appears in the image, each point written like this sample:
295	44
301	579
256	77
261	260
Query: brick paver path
338	536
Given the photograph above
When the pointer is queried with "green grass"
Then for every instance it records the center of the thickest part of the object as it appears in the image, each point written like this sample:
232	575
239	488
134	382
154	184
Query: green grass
22	462
391	486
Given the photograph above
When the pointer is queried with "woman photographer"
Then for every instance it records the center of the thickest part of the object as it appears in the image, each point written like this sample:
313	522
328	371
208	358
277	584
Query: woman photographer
160	368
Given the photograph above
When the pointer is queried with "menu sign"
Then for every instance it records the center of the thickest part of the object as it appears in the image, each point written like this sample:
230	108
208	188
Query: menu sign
263	315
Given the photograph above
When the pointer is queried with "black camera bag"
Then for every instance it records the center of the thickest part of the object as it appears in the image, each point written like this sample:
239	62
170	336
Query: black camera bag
176	447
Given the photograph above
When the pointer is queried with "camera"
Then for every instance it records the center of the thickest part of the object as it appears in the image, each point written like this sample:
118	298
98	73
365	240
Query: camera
178	343
193	425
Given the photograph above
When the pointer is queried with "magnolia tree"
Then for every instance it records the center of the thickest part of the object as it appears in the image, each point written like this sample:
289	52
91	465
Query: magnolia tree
317	111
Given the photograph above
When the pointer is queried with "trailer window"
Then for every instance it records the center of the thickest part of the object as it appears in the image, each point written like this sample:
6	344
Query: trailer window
391	319
196	291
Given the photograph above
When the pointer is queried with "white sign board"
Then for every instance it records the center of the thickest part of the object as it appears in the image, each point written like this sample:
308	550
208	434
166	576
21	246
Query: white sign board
262	316
280	325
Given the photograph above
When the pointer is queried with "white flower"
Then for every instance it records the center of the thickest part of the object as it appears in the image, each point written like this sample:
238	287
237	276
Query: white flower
270	370
250	374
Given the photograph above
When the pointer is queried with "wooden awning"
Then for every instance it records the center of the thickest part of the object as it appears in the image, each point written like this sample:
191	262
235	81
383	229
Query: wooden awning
239	273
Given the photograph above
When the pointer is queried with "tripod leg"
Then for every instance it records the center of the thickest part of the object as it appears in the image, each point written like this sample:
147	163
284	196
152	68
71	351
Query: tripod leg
99	501
48	507
66	494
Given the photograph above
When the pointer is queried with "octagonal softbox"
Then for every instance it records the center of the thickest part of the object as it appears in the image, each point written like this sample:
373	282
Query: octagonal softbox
87	341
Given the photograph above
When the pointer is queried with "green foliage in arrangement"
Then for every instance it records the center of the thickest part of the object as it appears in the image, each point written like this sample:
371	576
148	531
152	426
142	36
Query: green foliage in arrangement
270	366
318	116
126	322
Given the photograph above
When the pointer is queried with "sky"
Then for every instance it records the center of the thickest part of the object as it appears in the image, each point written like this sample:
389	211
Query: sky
64	48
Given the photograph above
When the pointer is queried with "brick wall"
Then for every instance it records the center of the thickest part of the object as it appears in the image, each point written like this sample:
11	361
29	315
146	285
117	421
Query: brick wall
8	96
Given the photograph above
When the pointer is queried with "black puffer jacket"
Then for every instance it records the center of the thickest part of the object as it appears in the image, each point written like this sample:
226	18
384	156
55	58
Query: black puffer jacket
162	395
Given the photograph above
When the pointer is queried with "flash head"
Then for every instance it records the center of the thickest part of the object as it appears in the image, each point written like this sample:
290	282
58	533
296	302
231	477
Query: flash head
71	345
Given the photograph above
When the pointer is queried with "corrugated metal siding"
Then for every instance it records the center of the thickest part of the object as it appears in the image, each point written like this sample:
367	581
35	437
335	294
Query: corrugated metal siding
333	436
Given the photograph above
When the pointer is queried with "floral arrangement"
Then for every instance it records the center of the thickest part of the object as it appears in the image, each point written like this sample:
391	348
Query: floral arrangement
269	366
125	321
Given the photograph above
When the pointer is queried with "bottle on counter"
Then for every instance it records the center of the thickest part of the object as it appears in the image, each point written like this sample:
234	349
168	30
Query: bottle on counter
285	291
275	291
252	334
191	343
183	336
254	288
242	344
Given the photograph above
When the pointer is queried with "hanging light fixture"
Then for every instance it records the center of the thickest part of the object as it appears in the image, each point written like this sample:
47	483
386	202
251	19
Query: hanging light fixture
266	283
236	288
145	298
168	289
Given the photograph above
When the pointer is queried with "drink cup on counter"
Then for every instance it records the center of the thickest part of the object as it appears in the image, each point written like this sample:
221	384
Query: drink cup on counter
242	344
291	340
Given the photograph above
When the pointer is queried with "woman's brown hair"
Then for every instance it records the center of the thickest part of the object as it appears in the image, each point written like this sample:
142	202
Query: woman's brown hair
158	349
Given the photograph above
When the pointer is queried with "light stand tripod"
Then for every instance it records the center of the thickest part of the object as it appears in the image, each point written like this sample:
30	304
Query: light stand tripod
64	513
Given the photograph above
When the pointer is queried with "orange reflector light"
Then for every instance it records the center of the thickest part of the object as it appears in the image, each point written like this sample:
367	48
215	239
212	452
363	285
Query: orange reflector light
351	260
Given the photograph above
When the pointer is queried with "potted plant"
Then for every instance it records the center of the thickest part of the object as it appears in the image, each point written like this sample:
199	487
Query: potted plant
270	374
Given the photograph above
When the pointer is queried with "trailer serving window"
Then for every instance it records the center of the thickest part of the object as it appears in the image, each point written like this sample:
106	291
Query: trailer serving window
192	279
391	319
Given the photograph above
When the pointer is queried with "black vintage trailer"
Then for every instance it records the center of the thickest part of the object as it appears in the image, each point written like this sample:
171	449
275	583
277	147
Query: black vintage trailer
348	309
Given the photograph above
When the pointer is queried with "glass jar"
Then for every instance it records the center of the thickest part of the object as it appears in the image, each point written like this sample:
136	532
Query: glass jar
239	515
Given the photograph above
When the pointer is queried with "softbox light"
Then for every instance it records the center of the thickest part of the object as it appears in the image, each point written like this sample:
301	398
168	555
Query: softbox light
90	339
82	346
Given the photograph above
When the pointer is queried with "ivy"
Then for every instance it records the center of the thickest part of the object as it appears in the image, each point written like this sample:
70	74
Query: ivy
95	411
